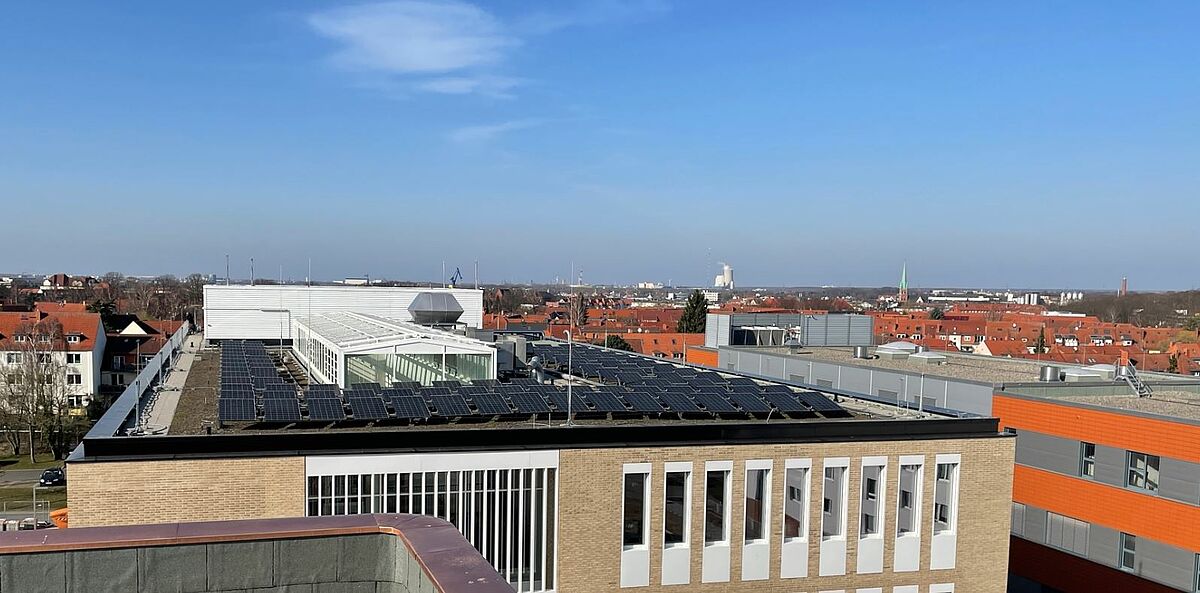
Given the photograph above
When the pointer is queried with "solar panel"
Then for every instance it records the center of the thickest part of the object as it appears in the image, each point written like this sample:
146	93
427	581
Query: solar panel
818	402
560	400
642	402
678	402
453	385
605	401
529	403
281	410
714	403
236	410
325	409
407	385
432	391
749	403
367	408
410	407
485	382
367	387
491	404
786	402
451	405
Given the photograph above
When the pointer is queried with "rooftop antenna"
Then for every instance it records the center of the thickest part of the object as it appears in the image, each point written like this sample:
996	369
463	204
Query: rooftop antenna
226	269
443	273
476	274
252	271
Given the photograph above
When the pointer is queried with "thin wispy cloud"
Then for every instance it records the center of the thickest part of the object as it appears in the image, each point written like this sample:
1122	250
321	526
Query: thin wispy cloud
486	133
448	46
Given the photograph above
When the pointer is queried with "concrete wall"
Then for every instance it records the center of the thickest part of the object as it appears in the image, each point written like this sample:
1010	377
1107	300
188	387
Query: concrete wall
590	530
895	385
175	491
375	563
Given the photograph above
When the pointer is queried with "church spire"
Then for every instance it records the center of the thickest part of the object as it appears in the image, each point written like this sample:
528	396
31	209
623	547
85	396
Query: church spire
904	283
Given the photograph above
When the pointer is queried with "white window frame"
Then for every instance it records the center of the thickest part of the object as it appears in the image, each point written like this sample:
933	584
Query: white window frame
804	466
1087	464
765	511
952	506
644	470
727	516
74	358
685	468
1121	549
918	487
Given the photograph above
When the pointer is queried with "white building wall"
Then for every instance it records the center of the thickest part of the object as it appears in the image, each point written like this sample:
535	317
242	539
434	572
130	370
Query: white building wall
265	312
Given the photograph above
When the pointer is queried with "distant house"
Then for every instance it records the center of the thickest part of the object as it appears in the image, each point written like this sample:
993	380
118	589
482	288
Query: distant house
132	342
80	345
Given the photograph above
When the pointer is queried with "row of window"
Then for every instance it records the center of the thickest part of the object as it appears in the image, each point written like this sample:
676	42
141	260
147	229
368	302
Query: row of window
1071	535
506	514
1141	469
42	358
46	338
717	492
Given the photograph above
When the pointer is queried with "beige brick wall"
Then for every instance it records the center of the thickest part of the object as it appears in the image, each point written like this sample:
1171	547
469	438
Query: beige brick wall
590	515
129	492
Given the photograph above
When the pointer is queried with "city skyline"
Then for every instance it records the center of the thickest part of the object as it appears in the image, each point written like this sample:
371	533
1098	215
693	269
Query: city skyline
1027	145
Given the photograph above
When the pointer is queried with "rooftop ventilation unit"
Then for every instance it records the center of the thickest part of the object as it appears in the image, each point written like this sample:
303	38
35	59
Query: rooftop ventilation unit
435	308
1050	374
862	352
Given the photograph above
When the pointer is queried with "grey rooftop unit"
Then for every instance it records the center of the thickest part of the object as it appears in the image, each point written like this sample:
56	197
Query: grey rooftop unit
435	308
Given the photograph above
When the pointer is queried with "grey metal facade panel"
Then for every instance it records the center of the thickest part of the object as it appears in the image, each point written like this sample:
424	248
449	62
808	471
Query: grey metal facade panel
1103	544
710	330
1048	452
723	331
1166	564
1179	480
1035	524
1110	466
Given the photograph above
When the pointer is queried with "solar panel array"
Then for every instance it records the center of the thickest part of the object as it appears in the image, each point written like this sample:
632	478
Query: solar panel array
625	385
647	384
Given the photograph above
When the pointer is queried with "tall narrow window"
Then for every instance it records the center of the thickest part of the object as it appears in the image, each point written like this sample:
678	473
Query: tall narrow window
832	524
675	526
635	510
1143	471
945	497
795	505
1128	552
909	504
1087	460
756	504
869	505
715	494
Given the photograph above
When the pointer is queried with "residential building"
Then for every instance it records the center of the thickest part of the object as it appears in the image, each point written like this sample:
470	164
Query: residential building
72	339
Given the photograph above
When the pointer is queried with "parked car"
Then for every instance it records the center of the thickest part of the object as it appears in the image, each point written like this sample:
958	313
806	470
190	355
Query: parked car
54	476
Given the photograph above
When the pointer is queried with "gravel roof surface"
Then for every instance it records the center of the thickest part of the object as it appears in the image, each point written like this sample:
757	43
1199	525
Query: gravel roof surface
984	369
1177	404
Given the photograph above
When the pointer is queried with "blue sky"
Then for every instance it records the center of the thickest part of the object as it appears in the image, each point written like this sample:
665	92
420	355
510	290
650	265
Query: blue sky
1018	144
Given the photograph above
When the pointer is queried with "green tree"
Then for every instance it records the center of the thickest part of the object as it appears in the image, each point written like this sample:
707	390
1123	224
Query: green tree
1173	363
937	313
695	313
1192	323
1039	346
618	343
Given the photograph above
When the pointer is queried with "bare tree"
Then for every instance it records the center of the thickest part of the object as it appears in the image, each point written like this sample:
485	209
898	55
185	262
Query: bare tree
35	392
577	310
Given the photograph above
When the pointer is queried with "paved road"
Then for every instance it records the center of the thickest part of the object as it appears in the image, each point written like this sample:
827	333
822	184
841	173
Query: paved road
19	477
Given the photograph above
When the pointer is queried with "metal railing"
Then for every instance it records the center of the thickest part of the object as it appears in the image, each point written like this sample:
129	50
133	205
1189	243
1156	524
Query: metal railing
123	412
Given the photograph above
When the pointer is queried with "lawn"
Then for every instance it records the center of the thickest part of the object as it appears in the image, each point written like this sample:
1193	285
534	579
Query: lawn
44	461
20	499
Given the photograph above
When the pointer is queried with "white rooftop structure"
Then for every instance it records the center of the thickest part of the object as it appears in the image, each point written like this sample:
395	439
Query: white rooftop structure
266	312
347	348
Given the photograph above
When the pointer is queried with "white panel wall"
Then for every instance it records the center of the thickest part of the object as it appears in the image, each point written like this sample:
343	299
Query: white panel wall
253	312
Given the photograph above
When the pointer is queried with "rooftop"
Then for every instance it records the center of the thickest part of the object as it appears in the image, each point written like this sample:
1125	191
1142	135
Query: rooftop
1176	404
351	331
994	370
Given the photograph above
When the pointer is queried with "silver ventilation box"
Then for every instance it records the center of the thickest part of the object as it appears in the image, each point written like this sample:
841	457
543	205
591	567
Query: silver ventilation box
435	308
